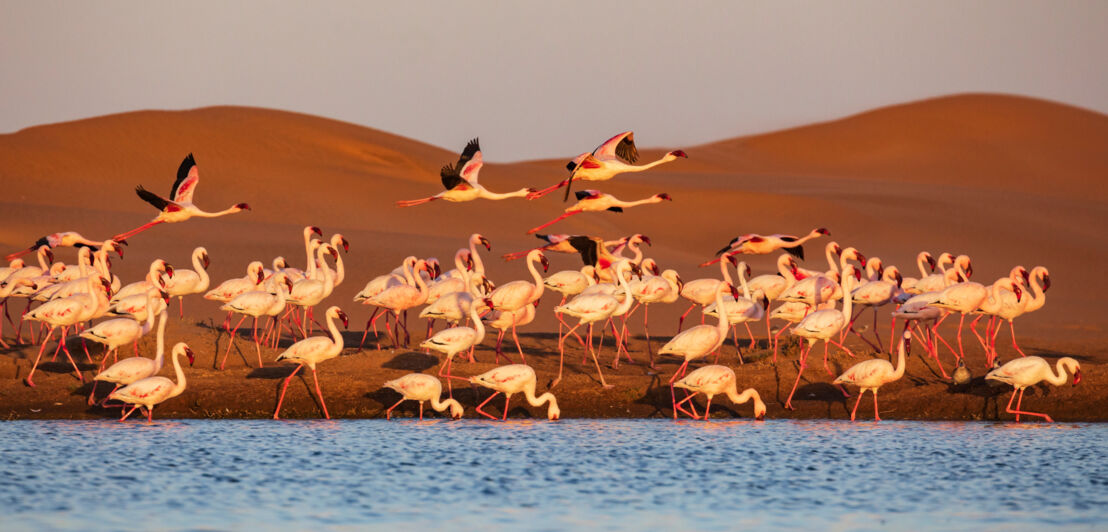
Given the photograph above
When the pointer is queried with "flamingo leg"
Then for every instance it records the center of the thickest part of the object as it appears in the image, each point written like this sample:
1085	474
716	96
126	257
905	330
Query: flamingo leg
230	343
257	343
562	349
125	416
980	340
368	322
876	414
137	230
520	349
388	413
531	196
677	407
507	399
284	388
499	341
39	357
856	403
961	352
482	412
672	393
1019	409
413	203
596	362
1012	328
567	214
324	405
707	408
800	372
70	356
646	329
681	321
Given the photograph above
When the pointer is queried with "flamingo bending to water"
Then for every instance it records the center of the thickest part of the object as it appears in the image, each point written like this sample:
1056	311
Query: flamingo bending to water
698	342
512	379
146	393
719	380
422	388
1029	371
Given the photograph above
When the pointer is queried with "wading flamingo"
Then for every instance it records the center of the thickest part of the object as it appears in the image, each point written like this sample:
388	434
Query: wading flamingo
719	380
312	351
454	340
146	393
422	388
1029	371
872	374
512	379
135	368
178	207
824	325
460	181
698	342
589	309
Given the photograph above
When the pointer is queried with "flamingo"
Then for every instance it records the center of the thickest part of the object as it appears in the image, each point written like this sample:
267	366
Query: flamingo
179	206
452	305
563	243
512	379
296	274
312	351
805	290
399	298
146	393
194	281
703	291
460	181
963	298
824	325
996	302
596	201
926	264
67	313
121	331
571	282
311	291
1012	308
256	303
231	288
422	388
875	294
502	320
752	244
399	276
6	291
1029	371
135	368
833	253
773	285
615	156
719	380
698	342
454	340
742	310
516	294
664	288
872	374
589	309
64	239
454	281
27	271
135	305
13	265
146	284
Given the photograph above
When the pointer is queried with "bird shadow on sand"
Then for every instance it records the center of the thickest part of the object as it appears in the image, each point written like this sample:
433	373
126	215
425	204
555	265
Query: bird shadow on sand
412	361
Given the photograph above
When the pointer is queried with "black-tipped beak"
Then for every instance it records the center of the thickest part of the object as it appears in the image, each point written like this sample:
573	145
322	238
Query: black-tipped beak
317	230
345	244
192	357
169	270
345	319
205	261
49	256
647	241
485	242
1076	376
545	263
1046	282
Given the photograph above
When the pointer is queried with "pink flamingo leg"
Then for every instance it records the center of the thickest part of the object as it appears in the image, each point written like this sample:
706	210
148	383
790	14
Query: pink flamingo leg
482	412
672	393
137	230
533	195
413	203
507	398
125	416
284	388
39	357
876	414
388	413
800	372
257	343
677	407
1012	328
520	349
567	214
961	352
856	403
324	405
230	343
1019	406
681	321
707	408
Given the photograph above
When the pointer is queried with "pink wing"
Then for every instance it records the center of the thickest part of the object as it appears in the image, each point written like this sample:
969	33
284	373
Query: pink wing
184	190
472	168
609	150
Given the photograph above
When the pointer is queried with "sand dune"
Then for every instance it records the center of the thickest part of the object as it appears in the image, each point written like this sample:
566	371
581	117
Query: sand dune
1007	180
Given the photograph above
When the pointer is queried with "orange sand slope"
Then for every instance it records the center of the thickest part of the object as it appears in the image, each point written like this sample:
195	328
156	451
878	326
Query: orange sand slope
1005	179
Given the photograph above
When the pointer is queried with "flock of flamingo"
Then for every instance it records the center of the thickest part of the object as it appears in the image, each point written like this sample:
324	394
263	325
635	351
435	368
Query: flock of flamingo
615	281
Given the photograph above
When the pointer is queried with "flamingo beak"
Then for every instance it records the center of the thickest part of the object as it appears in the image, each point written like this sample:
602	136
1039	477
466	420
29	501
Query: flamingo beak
1019	293
245	207
49	256
680	283
823	231
188	353
345	244
261	277
169	270
1076	376
288	283
969	269
654	269
679	153
486	243
761	416
931	262
646	239
545	263
469	262
334	253
205	261
838	250
1046	282
161	281
899	279
317	230
345	319
165	296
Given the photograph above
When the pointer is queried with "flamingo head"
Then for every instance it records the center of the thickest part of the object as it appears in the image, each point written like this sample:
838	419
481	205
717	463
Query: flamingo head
484	242
930	261
906	343
311	228
680	283
545	263
191	357
760	411
645	239
858	256
168	269
899	278
554	413
1024	275
654	268
636	270
488	303
260	276
205	260
342	316
245	207
733	260
1046	281
489	286
730	287
823	231
164	295
837	249
49	255
344	243
663	196
969	270
1077	375
161	280
288	282
1016	289
107	286
678	153
468	261
334	252
117	246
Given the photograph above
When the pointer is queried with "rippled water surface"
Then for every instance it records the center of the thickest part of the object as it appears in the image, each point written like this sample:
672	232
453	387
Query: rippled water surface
611	474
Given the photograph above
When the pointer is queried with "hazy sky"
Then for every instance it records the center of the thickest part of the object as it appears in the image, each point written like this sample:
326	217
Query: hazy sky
543	79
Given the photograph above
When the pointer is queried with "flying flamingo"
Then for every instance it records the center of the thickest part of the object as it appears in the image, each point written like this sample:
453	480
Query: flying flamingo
824	325
719	380
135	368
455	340
698	342
178	207
187	282
615	156
512	379
872	374
256	303
399	298
152	391
312	351
460	181
1029	371
596	201
563	243
589	309
67	313
121	331
422	388
64	239
752	244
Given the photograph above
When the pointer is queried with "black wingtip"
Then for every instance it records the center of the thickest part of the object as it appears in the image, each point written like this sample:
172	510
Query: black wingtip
723	250
615	209
581	194
571	166
797	252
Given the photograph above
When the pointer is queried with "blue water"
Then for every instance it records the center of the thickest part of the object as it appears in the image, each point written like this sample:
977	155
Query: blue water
611	474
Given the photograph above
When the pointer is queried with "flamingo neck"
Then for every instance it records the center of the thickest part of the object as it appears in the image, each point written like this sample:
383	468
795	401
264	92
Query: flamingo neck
200	272
741	272
1061	366
723	270
505	195
308	245
529	394
336	334
921	259
159	357
627	298
900	364
178	388
439	405
478	325
740	398
42	258
478	264
150	295
723	324
665	159
1038	297
204	214
539	285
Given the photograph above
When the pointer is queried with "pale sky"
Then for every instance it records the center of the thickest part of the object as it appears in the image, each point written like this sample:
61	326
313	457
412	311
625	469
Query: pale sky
544	79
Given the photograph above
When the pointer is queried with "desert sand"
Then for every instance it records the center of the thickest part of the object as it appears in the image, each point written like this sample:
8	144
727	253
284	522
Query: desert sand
1005	179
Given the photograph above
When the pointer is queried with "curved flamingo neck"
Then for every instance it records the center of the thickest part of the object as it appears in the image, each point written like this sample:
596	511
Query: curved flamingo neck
529	394
478	325
724	322
478	264
1060	366
308	244
201	271
723	270
178	388
336	334
1038	296
665	159
622	282
737	398
42	258
921	259
159	357
439	405
539	285
898	372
